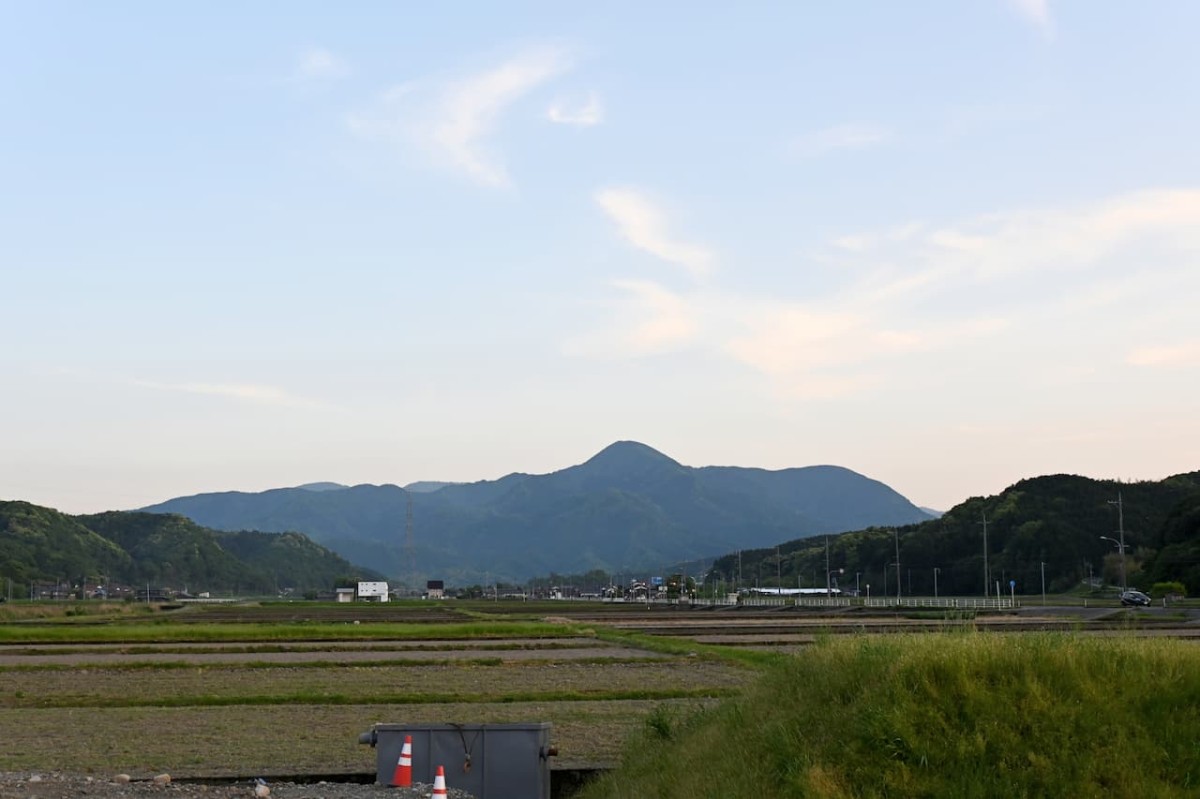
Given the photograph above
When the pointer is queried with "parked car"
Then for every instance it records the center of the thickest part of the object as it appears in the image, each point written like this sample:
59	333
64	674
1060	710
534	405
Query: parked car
1132	597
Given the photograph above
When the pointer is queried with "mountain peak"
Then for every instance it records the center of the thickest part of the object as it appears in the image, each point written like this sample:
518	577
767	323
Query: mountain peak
627	456
324	486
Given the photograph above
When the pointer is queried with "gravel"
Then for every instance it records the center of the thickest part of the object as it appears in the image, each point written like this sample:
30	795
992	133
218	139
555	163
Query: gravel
47	785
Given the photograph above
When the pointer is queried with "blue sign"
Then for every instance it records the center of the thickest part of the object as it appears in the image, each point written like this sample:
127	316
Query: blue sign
1012	583
656	581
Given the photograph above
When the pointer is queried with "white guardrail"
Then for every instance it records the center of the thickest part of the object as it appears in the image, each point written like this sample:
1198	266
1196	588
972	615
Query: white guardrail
994	603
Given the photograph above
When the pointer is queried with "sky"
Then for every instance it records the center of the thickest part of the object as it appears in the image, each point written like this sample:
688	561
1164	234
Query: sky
947	244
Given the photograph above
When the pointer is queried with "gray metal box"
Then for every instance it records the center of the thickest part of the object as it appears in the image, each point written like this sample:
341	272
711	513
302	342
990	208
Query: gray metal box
491	761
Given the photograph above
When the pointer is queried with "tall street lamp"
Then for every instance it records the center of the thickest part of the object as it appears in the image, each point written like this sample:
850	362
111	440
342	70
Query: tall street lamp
1121	548
828	581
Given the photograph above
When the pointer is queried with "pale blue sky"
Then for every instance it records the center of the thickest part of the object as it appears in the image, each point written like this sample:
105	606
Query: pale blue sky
946	244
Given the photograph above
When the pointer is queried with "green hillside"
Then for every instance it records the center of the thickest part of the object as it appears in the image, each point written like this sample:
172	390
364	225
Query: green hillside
42	545
39	543
1056	520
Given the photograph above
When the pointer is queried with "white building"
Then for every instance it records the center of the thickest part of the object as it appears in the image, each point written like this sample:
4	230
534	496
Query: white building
373	592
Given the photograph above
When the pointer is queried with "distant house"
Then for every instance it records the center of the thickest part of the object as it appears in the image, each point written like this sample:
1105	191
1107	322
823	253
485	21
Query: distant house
435	589
345	595
373	592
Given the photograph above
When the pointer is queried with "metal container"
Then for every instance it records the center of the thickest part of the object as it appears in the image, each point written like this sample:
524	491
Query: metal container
491	761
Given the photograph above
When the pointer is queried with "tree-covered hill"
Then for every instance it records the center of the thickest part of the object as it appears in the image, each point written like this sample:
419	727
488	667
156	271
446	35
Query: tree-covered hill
1057	520
40	544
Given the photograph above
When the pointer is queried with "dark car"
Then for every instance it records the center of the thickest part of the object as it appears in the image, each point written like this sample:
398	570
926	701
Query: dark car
1132	597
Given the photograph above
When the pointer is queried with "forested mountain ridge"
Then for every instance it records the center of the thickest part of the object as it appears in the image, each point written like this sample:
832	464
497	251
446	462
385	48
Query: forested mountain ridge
628	507
39	544
1056	520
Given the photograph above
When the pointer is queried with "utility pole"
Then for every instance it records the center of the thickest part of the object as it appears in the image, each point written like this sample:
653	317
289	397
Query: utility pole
408	544
1121	531
1043	583
828	587
896	537
778	570
985	553
935	574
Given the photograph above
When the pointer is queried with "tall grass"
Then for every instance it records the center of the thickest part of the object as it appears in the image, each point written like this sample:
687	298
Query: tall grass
948	715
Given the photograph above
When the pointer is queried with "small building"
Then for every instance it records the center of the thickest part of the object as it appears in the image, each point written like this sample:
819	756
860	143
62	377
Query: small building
373	592
435	589
345	595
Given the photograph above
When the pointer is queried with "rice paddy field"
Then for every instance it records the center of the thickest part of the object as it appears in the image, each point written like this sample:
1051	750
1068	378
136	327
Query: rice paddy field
286	690
279	690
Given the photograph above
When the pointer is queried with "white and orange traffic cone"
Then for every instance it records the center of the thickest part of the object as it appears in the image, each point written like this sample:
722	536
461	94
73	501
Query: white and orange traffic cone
439	783
402	777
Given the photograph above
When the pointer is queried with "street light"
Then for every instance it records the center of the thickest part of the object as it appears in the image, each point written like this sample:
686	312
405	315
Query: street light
1121	546
828	579
1121	530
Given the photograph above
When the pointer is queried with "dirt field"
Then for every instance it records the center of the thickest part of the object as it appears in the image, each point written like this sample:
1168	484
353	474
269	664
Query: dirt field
280	708
275	709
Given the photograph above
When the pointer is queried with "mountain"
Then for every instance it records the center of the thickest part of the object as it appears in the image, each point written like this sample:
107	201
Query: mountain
322	486
41	544
1055	520
628	507
427	486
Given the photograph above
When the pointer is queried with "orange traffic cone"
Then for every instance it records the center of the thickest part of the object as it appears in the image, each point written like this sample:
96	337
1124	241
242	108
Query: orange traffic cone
439	783
402	777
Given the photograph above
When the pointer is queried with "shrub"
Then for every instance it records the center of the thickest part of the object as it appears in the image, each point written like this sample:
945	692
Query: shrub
1160	590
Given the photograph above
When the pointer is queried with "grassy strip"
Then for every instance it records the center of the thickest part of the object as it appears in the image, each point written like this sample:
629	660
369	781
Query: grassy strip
497	645
183	665
938	715
165	631
382	698
684	647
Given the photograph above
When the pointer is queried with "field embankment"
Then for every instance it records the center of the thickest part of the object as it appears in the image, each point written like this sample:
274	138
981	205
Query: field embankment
940	715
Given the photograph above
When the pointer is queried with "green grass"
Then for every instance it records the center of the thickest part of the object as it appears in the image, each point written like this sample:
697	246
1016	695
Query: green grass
381	697
165	631
666	645
944	715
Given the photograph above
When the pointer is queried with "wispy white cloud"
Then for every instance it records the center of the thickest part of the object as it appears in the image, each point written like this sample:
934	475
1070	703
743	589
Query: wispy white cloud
1183	355
643	225
262	395
320	64
1037	14
1040	281
853	136
584	116
452	121
648	319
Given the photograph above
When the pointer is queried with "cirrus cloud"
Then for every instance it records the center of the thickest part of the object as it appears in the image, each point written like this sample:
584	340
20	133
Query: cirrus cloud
452	121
